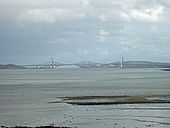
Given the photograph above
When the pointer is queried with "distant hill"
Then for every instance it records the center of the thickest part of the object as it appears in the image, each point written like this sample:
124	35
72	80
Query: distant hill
139	64
9	66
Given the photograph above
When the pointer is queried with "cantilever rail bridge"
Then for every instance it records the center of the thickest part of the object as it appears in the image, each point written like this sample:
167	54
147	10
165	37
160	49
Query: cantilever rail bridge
54	64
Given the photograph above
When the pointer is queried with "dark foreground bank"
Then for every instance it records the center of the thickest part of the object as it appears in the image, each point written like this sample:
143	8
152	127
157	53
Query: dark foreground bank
104	100
35	127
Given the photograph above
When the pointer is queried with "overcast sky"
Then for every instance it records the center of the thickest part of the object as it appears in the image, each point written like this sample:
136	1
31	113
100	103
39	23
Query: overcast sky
32	31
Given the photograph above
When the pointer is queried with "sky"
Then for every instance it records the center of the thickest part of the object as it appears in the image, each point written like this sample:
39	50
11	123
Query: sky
33	31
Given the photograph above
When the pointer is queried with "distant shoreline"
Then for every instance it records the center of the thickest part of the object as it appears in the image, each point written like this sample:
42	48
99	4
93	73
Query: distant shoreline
89	64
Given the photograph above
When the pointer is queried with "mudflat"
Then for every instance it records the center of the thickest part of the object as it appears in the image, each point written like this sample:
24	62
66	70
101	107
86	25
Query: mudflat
104	100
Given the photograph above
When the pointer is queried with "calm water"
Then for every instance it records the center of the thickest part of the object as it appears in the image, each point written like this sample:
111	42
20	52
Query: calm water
24	94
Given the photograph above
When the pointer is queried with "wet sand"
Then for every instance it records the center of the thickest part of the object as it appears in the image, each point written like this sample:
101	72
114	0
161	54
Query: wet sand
112	111
116	111
117	116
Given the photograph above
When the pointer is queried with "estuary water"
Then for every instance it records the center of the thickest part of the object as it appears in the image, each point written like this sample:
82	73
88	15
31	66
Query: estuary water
26	97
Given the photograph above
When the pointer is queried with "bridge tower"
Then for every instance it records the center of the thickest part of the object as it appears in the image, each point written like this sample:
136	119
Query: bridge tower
121	63
52	63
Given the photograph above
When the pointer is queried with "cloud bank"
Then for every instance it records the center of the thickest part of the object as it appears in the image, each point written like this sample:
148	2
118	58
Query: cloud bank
74	30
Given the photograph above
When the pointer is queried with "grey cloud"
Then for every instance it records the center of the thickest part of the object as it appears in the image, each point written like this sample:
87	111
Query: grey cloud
54	10
73	30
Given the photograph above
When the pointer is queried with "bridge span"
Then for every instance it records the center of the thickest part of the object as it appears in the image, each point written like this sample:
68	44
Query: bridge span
54	64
